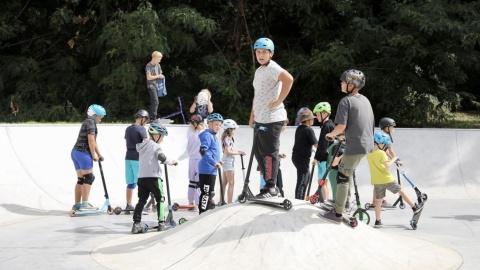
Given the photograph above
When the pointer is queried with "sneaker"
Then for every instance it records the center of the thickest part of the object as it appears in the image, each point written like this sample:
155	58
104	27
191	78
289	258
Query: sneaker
331	216
162	227
386	204
330	201
129	207
417	208
137	227
266	193
378	224
87	206
76	207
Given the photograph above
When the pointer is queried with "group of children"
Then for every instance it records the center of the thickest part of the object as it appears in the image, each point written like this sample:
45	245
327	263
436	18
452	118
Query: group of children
352	132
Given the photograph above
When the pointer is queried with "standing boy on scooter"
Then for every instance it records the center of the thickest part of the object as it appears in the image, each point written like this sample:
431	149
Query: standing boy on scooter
354	117
272	84
210	162
150	175
382	179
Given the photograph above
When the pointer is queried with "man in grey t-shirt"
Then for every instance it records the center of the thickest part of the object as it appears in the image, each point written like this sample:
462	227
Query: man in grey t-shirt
354	118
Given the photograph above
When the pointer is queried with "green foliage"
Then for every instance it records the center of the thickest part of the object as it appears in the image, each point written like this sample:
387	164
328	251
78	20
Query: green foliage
421	58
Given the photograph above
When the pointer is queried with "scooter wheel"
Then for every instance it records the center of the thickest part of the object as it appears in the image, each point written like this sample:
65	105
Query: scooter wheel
413	223
173	224
362	215
71	213
353	222
314	199
242	198
117	210
212	205
367	206
287	204
182	220
175	206
110	210
402	206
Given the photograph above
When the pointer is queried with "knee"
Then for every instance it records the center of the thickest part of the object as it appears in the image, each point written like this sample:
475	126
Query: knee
131	186
89	178
342	178
80	181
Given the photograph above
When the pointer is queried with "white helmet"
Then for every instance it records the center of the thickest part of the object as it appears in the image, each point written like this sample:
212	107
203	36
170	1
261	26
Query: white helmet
229	123
202	98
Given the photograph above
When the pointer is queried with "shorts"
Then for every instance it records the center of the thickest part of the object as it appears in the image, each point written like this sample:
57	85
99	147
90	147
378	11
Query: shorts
81	161
131	171
228	164
322	168
380	189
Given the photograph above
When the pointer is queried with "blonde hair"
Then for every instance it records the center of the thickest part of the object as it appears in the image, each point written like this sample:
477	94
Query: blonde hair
157	53
206	91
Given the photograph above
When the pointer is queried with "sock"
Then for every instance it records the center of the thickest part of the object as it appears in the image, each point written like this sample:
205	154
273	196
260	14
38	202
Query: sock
78	203
84	203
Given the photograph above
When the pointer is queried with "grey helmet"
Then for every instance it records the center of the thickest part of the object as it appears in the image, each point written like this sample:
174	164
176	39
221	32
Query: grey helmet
386	122
142	114
353	76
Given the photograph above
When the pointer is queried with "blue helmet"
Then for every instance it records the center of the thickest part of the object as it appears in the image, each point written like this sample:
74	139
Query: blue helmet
156	128
264	43
381	137
97	110
215	117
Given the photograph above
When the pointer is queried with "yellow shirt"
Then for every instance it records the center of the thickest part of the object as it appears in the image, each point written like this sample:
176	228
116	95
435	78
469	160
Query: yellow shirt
380	174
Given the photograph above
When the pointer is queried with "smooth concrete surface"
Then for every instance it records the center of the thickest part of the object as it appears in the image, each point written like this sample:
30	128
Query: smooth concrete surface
37	180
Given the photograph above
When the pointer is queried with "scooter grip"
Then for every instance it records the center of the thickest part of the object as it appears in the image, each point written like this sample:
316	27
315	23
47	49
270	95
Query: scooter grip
321	182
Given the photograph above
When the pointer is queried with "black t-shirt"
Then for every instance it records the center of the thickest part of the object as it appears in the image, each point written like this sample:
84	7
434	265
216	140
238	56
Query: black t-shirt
134	134
321	153
88	127
304	140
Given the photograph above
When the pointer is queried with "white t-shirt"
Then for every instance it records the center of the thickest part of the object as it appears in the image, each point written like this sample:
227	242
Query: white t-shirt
267	89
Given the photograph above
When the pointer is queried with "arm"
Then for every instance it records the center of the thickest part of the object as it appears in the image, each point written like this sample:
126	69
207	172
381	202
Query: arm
252	116
389	163
92	144
154	77
210	104
230	152
287	82
164	160
194	105
339	129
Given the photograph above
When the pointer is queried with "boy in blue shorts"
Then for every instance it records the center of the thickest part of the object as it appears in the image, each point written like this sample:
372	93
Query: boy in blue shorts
322	111
150	175
84	152
134	134
210	162
354	117
382	179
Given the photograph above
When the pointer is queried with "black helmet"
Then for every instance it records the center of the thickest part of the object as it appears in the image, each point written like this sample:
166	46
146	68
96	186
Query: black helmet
386	122
142	113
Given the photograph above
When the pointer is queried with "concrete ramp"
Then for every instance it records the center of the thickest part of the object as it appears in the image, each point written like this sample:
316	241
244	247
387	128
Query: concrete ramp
253	236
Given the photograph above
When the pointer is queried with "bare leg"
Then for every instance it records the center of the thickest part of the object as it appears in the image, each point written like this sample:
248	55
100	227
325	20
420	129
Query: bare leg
78	188
406	198
224	185
129	196
326	190
230	176
378	208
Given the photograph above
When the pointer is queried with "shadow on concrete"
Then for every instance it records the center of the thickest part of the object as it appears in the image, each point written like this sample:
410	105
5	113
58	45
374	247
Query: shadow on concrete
460	217
30	211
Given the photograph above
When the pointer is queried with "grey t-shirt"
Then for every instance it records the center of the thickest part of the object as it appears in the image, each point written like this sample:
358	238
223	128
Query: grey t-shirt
88	127
355	111
153	70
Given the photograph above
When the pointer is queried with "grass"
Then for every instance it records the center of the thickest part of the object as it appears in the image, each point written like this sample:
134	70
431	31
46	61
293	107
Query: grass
467	120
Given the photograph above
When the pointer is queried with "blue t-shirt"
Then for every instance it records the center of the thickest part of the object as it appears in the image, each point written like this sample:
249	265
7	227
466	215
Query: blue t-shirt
209	141
134	134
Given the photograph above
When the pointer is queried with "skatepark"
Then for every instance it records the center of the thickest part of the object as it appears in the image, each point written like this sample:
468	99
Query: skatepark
38	178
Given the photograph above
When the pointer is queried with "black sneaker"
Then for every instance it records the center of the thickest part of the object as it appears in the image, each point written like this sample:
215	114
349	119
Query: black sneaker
266	193
378	224
417	208
161	226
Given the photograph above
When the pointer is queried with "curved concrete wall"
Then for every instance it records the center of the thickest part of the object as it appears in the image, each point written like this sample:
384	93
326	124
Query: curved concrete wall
36	165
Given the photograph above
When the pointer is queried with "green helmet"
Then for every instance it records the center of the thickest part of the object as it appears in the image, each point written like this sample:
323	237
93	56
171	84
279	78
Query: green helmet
323	107
157	129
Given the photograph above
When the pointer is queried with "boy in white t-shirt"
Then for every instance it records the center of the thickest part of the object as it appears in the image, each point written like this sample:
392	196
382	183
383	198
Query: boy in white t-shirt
272	84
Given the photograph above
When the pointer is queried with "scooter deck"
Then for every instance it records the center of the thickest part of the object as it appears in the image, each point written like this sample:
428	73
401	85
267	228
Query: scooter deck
276	201
415	218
